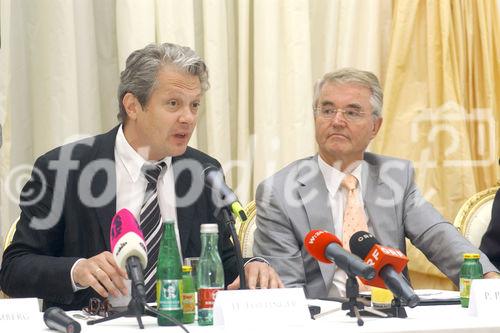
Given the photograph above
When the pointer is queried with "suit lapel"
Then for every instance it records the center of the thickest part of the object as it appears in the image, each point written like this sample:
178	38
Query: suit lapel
380	205
315	200
314	195
105	181
185	215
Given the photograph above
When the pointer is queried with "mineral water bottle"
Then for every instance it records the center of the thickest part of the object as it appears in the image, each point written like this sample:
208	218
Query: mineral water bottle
169	276
210	273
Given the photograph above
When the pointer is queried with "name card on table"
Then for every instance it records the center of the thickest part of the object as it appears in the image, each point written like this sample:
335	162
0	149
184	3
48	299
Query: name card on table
485	297
261	307
20	313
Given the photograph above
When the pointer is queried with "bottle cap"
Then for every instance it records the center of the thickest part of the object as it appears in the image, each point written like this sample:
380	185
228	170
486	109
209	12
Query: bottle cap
471	256
211	228
168	220
187	269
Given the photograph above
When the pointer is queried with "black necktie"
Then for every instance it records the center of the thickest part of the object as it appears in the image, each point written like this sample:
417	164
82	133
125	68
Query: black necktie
151	225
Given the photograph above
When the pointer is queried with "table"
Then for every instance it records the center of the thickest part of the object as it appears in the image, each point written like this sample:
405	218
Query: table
439	319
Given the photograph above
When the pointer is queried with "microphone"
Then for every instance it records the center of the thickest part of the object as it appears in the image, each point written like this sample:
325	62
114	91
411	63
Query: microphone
327	248
214	179
55	318
129	249
387	262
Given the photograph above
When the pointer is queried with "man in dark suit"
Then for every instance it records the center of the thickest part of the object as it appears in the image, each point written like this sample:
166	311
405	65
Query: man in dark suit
60	251
490	244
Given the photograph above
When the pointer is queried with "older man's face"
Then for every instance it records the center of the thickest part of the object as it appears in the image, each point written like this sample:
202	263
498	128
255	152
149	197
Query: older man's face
165	124
341	140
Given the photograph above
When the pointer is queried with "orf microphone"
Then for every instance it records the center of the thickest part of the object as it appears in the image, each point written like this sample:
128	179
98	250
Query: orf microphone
388	263
55	318
129	248
327	248
214	179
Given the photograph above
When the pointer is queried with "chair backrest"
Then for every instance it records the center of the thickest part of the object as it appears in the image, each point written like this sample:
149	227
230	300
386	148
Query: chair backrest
10	234
246	230
7	241
474	216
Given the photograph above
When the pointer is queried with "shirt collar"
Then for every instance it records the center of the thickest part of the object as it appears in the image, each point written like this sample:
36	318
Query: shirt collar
333	177
132	161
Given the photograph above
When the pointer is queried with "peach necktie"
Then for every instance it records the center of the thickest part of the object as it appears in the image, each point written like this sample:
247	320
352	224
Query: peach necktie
354	215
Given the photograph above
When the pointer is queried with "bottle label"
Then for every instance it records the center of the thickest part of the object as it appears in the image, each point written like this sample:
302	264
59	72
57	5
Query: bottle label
465	287
206	297
188	303
169	294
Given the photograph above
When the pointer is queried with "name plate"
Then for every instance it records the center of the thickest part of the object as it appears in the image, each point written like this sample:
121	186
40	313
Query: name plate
260	307
20	313
485	297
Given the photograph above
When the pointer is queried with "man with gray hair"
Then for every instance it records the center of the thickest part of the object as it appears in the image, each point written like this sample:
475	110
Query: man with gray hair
60	251
344	189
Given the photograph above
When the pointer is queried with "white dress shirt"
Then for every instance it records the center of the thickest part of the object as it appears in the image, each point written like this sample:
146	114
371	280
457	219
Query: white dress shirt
131	183
131	186
337	195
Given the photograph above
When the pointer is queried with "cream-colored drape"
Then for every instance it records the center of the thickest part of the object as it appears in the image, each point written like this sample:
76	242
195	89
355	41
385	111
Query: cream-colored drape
61	62
442	96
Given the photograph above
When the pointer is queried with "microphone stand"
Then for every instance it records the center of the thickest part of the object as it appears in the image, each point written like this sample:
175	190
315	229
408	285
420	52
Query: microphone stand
352	304
355	306
135	308
397	310
229	221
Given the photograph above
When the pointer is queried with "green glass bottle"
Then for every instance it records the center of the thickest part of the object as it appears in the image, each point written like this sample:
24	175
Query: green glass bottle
471	269
188	296
169	276
210	273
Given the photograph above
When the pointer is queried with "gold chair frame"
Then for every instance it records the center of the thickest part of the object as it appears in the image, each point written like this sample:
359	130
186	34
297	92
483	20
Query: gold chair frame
247	227
10	234
7	241
469	209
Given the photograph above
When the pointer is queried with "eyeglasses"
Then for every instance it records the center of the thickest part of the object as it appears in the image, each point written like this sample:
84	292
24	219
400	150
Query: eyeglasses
97	307
351	114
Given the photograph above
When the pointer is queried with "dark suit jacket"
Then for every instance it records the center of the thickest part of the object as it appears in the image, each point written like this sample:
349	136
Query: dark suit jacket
490	244
66	196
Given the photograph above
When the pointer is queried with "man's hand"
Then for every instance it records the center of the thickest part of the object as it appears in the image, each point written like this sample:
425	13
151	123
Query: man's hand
491	275
258	274
102	274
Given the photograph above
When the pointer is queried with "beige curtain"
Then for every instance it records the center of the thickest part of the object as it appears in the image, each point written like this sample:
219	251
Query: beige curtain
61	62
438	61
442	95
58	78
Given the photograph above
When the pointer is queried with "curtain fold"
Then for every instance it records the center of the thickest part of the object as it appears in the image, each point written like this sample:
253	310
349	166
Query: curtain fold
438	62
263	57
441	99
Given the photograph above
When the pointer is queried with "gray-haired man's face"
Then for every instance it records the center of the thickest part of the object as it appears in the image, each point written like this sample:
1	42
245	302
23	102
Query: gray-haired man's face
341	139
165	124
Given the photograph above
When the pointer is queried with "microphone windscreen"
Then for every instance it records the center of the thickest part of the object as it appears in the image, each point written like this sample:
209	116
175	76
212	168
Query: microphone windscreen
212	176
126	239
214	179
316	242
361	243
123	223
55	318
